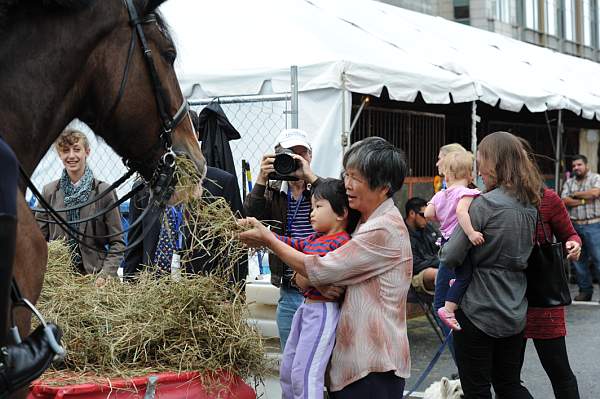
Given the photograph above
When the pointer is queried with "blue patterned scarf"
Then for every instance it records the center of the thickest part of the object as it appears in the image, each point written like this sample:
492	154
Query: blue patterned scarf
76	196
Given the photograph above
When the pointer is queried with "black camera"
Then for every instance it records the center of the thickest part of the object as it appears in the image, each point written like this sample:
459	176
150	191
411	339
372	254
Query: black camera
284	165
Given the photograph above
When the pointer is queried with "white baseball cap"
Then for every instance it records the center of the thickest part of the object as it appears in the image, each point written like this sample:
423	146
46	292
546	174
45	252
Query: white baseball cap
289	138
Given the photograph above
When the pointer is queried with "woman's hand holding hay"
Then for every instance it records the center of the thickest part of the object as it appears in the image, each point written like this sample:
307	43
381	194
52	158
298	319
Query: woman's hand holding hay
100	282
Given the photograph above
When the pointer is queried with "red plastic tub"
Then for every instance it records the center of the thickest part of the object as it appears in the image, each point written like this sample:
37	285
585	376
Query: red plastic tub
159	386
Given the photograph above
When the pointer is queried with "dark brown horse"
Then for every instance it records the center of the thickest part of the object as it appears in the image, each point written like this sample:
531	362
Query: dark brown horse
66	59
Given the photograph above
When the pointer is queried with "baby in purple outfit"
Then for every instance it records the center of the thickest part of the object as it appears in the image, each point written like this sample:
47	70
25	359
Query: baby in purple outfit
450	207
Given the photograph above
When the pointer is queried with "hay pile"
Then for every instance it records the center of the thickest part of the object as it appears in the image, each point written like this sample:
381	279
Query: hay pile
211	225
153	325
156	324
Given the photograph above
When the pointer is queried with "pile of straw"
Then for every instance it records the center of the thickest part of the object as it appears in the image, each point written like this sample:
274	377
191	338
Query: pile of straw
152	325
156	324
211	225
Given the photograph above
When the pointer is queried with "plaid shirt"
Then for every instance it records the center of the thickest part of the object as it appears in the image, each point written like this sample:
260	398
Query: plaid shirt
591	209
376	268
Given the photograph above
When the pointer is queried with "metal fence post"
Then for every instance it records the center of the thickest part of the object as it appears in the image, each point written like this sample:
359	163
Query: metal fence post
474	120
294	90
559	131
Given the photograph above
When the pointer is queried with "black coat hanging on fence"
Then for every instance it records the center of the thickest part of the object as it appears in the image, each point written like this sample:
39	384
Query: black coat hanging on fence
215	131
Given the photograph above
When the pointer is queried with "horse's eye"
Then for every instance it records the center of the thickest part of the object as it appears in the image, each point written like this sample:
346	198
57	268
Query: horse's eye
169	56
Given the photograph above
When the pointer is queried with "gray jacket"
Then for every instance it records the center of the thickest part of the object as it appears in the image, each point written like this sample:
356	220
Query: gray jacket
495	299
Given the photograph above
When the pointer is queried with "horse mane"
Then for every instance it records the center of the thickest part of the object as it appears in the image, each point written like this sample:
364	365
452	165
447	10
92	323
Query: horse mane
7	6
68	4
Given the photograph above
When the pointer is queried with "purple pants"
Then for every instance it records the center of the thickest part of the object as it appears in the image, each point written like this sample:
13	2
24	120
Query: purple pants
308	350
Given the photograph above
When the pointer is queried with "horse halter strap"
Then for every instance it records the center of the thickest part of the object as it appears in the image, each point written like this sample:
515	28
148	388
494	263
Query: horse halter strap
168	123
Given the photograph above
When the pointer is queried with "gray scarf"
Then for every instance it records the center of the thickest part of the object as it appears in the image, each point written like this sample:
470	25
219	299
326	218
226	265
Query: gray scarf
76	195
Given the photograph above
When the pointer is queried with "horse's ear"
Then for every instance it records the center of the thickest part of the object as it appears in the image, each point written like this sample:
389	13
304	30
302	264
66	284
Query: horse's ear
153	5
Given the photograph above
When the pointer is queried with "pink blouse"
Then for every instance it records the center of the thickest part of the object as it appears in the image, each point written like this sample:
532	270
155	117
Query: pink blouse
376	267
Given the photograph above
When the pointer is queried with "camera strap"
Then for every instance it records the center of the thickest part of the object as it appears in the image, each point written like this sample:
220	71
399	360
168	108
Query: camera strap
298	203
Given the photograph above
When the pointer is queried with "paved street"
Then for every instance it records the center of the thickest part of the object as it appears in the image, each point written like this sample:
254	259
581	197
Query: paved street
583	343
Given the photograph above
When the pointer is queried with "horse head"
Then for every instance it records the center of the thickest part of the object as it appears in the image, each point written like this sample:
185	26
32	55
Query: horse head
134	100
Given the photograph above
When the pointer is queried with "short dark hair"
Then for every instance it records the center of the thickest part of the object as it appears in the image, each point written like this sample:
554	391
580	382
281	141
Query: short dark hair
379	162
578	157
334	191
414	204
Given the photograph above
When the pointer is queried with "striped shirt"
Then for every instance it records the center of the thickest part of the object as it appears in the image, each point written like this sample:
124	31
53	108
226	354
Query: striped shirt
316	244
298	223
591	209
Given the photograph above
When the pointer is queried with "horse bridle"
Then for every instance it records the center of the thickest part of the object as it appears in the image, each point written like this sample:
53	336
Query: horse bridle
168	123
161	182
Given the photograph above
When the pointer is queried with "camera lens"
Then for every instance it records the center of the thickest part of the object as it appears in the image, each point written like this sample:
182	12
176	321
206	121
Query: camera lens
284	164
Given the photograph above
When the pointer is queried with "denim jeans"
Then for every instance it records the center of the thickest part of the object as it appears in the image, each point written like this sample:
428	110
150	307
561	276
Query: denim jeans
590	236
442	281
442	284
290	300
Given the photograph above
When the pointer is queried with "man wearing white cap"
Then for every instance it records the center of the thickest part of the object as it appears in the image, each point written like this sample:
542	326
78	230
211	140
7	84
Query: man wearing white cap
287	202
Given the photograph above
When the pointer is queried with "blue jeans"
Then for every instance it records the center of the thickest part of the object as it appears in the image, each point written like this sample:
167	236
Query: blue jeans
442	285
442	281
590	236
290	300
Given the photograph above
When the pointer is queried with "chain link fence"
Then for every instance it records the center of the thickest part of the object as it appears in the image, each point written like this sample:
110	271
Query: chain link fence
258	120
103	161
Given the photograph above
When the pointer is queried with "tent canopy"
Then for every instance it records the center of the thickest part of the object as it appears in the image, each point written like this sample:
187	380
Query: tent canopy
232	47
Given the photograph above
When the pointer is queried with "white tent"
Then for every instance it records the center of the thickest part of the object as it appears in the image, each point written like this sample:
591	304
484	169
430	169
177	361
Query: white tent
237	47
233	46
240	47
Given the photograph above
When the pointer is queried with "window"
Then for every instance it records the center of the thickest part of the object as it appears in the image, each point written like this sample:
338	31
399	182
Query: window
503	10
531	14
569	20
587	22
552	17
461	11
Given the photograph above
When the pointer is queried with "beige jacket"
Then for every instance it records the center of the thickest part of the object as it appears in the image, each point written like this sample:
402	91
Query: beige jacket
94	261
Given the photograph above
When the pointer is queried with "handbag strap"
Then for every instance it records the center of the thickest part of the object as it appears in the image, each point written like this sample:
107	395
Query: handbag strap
539	220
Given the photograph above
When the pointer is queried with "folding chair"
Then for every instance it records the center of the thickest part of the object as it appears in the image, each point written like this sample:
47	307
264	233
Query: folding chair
425	302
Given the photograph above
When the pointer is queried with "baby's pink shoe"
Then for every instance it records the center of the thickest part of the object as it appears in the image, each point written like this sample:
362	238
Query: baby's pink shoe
448	319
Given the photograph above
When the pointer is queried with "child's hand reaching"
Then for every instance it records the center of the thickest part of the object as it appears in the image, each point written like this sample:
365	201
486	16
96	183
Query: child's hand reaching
476	238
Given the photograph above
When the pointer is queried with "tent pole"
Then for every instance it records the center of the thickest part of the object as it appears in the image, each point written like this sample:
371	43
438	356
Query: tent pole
559	131
294	89
474	120
345	139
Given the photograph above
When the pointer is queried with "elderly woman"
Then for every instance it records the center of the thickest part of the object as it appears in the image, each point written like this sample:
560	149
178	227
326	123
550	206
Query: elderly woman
371	357
493	310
